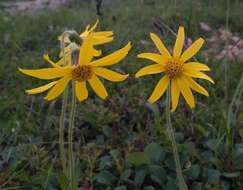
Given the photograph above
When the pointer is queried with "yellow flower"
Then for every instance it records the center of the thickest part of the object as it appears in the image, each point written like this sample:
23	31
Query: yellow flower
97	38
177	71
81	71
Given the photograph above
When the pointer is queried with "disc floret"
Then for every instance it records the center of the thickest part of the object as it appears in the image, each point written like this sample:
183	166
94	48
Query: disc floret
173	67
82	73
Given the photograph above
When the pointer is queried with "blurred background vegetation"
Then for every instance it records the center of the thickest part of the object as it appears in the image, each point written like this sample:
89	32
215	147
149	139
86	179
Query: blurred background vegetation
121	143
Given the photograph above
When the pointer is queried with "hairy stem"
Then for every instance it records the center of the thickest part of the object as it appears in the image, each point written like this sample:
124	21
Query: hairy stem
72	176
170	131
62	116
61	131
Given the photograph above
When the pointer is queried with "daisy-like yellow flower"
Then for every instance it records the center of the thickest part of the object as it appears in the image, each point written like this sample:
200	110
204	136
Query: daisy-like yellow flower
82	70
97	38
178	72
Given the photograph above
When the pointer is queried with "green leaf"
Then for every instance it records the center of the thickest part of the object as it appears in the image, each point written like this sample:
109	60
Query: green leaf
212	144
149	188
107	131
115	153
231	175
213	176
63	180
238	161
171	184
241	118
224	185
196	186
159	176
105	177
140	176
125	175
105	161
241	133
138	158
154	151
121	188
194	171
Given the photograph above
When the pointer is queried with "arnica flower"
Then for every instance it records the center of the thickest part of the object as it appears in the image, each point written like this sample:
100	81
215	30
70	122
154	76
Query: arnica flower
81	71
98	38
178	72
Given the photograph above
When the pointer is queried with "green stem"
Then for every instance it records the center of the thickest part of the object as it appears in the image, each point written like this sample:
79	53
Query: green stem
72	176
62	116
61	130
170	131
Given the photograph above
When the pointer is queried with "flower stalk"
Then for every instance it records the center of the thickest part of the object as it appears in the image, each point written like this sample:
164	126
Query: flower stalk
71	159
61	131
170	131
62	116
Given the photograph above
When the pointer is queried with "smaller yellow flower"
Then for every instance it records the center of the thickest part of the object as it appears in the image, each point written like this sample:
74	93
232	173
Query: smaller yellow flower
81	70
98	38
177	71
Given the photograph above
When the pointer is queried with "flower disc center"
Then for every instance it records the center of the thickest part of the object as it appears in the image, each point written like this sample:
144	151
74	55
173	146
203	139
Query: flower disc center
82	73
173	68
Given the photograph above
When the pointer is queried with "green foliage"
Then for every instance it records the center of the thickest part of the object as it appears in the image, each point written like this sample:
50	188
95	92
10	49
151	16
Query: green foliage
120	143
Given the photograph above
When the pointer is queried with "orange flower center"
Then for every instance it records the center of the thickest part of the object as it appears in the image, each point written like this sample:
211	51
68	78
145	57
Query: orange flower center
82	73
173	68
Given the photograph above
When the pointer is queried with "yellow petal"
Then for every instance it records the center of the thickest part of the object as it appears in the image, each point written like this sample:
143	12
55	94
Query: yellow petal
47	58
197	74
81	91
153	57
159	89
98	87
103	34
195	86
58	88
112	58
95	25
48	73
109	74
192	50
151	69
84	34
102	37
41	88
186	91
196	66
97	53
104	40
86	51
175	94
97	37
179	42
159	44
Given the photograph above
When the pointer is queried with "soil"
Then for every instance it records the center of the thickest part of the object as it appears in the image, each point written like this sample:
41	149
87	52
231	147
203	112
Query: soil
31	5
